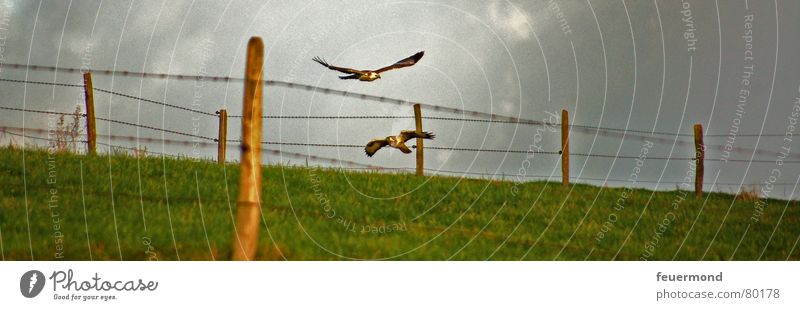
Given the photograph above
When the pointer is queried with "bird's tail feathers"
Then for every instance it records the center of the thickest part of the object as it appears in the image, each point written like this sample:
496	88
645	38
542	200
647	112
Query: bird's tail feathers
349	77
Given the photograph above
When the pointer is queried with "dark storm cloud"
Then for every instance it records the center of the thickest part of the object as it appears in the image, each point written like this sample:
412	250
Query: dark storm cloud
604	61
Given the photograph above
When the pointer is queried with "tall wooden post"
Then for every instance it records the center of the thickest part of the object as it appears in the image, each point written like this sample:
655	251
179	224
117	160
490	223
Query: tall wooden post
248	211
420	156
222	137
564	148
91	129
699	154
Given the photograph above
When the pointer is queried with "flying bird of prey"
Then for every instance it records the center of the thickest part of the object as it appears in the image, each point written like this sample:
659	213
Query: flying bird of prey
398	141
371	75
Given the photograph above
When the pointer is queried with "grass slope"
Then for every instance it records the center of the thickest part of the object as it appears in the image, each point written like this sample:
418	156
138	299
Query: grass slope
118	207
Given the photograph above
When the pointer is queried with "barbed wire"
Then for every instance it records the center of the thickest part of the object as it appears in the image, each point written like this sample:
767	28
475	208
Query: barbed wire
124	137
716	147
586	128
41	111
463	149
329	117
40	83
264	151
296	117
4	130
557	178
303	144
362	166
136	150
157	140
751	161
630	157
10	130
492	118
511	151
156	128
121	72
471	120
109	92
116	93
461	119
745	135
630	131
313	144
329	160
413	146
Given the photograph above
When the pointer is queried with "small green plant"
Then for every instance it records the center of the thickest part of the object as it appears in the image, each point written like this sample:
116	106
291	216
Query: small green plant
750	195
67	132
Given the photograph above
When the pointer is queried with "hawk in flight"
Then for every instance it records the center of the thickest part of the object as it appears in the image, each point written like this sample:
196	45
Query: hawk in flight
371	75
398	141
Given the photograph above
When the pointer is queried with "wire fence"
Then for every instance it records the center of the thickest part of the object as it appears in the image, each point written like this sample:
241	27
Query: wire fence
41	111
155	128
363	167
207	144
557	178
494	119
467	116
24	133
487	117
116	93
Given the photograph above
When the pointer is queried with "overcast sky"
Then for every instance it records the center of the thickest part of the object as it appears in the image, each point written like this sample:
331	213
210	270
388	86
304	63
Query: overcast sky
643	65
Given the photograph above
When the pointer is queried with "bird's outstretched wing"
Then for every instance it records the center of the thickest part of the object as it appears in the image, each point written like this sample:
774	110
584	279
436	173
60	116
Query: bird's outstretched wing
375	145
340	69
410	61
406	135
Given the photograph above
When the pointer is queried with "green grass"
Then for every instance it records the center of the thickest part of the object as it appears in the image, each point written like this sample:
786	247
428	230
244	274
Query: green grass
188	206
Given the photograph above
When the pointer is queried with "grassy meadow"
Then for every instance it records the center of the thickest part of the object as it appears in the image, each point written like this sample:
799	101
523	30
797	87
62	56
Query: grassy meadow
78	207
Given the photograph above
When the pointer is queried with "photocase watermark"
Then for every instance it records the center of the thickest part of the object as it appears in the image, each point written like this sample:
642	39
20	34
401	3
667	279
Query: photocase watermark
31	283
67	287
315	37
347	224
548	124
748	69
670	217
563	24
322	197
207	53
383	228
5	21
52	190
619	204
784	152
86	66
149	250
689	26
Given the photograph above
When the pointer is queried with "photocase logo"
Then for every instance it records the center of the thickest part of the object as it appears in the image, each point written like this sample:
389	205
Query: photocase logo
31	283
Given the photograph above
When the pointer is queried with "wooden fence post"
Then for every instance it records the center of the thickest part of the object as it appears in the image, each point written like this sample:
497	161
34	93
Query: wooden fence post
564	148
420	156
91	129
222	137
248	211
699	154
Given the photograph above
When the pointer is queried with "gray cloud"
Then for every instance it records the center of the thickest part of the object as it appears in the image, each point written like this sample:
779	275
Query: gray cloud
505	57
